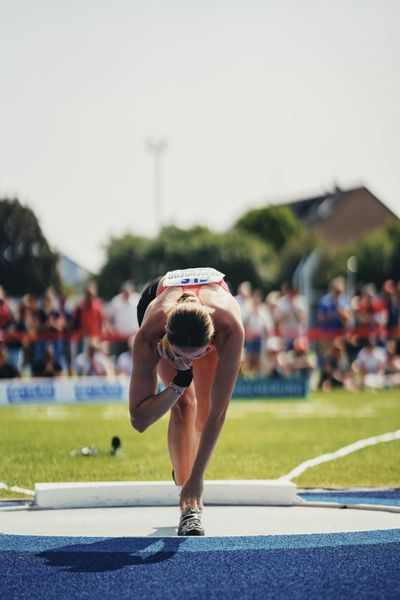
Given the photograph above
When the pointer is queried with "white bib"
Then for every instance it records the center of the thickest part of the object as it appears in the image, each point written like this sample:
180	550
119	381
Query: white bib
197	276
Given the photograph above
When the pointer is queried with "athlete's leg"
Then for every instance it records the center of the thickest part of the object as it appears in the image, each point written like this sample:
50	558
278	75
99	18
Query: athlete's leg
181	430
203	376
188	415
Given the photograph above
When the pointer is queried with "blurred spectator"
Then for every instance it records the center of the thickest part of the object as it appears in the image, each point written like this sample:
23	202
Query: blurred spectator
49	329
48	365
89	316
257	322
9	325
93	361
6	315
49	302
301	362
122	314
290	314
353	345
244	298
392	365
333	314
336	367
7	369
124	360
391	302
28	324
271	302
371	314
370	364
68	328
276	358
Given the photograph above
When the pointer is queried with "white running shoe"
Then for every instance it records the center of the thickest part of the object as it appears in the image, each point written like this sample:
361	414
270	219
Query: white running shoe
190	523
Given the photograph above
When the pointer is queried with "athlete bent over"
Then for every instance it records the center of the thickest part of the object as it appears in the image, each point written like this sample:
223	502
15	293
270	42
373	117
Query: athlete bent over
191	335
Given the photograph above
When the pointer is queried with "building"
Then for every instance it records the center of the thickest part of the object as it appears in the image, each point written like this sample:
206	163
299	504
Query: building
342	216
73	274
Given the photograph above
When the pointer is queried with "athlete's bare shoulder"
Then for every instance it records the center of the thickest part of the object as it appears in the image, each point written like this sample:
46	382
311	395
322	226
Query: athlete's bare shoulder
220	301
153	325
226	317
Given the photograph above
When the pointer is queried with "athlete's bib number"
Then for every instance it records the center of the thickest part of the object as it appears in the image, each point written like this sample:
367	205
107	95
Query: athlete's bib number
198	276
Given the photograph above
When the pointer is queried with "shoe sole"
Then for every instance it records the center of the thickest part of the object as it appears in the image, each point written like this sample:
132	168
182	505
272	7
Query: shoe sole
197	533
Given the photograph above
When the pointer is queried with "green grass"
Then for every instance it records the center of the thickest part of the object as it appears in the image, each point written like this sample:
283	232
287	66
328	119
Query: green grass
260	439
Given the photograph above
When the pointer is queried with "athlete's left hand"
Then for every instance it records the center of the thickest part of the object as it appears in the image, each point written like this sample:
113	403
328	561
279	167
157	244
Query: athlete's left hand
192	493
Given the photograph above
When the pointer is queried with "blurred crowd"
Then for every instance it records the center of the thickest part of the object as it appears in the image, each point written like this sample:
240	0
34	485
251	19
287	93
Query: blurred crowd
50	336
353	342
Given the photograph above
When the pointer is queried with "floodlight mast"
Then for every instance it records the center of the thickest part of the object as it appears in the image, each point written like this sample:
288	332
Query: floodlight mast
352	268
157	148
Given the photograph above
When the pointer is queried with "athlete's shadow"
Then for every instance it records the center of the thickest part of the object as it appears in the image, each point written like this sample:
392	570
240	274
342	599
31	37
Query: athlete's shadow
111	554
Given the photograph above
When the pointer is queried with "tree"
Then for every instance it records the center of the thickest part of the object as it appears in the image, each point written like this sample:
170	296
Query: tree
274	225
236	253
393	232
377	257
27	264
126	259
374	253
290	257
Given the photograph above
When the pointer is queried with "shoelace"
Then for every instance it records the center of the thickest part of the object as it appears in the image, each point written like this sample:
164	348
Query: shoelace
190	520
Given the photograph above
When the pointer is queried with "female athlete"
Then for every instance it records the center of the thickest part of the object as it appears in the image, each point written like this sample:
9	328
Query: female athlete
191	335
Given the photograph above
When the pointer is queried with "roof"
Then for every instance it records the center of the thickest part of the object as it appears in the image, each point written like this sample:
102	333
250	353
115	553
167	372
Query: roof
342	216
319	208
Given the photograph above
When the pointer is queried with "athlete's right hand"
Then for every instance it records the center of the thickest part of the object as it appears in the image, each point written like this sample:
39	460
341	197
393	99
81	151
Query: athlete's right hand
180	364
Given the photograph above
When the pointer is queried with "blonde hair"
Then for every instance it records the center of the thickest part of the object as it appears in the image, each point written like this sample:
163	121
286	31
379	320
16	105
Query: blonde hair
189	324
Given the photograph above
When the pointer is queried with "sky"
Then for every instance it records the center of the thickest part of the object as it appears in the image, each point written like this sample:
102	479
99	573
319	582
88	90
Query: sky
256	101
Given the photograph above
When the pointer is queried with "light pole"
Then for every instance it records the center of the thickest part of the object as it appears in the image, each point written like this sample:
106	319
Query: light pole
157	149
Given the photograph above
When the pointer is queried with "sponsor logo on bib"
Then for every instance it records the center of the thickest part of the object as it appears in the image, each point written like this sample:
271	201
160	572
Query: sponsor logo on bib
197	276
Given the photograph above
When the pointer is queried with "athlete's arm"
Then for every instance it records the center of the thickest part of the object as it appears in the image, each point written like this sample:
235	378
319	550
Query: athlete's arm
145	405
229	353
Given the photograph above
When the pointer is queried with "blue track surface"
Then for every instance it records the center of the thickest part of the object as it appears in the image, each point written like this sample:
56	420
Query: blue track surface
389	497
348	565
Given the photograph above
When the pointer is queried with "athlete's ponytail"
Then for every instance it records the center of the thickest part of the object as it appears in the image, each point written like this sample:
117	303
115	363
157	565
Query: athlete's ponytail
186	297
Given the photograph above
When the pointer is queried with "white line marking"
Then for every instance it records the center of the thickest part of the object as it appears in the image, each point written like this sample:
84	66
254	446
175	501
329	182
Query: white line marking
359	445
16	489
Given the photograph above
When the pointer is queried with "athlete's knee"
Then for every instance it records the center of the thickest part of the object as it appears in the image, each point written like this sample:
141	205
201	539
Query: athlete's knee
186	404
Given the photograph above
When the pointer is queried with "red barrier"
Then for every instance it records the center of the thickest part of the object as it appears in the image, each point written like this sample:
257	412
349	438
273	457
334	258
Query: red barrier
51	336
313	334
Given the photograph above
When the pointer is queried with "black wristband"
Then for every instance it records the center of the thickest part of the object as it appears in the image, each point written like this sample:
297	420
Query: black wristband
183	378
